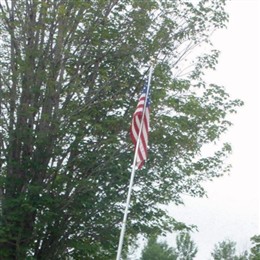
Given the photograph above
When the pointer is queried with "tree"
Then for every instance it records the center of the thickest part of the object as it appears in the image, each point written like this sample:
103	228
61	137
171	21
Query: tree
255	250
243	256
226	250
185	247
70	73
157	251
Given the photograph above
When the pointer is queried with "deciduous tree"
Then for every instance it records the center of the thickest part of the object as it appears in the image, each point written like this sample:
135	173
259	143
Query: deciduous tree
226	250
155	250
186	248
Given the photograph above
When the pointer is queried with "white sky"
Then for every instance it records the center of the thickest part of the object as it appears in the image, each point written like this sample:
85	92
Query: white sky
232	209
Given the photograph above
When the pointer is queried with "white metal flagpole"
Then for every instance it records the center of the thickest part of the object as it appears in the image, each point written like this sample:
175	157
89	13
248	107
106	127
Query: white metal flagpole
122	233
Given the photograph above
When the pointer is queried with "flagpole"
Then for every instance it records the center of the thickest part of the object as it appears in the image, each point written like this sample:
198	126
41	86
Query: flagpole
122	233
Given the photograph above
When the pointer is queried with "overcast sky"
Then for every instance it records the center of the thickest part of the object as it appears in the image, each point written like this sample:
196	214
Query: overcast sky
232	209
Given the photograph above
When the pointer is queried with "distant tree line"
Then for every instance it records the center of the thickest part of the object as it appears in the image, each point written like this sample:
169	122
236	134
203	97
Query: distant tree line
186	249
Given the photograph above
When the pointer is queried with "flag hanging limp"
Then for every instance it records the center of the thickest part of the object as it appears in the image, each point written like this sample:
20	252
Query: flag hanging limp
142	112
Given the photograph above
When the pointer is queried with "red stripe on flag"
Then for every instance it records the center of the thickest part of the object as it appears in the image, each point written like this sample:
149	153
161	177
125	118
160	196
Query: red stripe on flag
135	128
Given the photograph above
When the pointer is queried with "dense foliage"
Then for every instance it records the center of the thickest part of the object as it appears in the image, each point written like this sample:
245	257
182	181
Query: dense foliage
70	74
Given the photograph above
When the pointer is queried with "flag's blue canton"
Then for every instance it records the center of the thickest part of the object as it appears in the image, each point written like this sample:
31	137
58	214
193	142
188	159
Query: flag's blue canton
144	91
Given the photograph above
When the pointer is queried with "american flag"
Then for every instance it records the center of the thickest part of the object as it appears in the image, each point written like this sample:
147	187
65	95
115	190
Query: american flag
136	125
